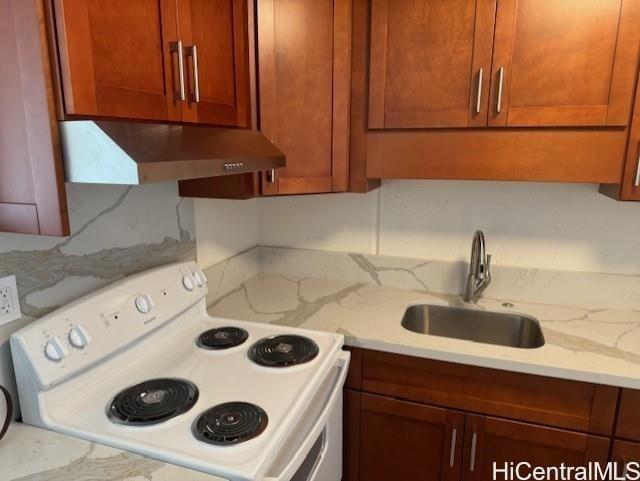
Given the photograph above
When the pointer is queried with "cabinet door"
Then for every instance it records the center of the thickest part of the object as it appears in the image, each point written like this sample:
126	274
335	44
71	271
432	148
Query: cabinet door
491	440
32	196
623	453
564	62
403	440
351	436
304	80
430	63
116	58
214	33
628	425
629	189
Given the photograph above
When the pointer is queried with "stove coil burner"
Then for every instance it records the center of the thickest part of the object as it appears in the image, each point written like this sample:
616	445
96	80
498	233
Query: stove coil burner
283	351
230	423
152	402
222	338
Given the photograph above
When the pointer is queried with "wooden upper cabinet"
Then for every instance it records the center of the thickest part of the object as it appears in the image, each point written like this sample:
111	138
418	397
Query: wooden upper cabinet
520	63
430	63
304	76
175	60
628	187
407	441
490	440
115	58
32	195
214	34
564	62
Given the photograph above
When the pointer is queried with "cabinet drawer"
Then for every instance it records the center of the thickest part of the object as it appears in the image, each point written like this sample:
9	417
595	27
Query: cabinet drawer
524	397
628	426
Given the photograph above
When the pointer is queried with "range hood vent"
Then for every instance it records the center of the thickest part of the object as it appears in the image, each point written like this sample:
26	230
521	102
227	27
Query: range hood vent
111	152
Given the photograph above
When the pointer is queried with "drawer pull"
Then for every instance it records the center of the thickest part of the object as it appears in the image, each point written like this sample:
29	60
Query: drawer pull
452	454
474	442
192	52
500	84
176	47
479	94
637	181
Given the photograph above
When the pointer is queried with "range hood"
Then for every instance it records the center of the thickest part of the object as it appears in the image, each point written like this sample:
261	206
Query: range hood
112	152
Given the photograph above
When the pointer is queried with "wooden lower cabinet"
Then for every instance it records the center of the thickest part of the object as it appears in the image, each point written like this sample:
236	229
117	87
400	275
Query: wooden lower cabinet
404	440
628	423
409	418
559	403
387	438
506	443
625	452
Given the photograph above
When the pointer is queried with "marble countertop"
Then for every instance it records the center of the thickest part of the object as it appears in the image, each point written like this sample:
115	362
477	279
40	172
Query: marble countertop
591	323
585	344
33	454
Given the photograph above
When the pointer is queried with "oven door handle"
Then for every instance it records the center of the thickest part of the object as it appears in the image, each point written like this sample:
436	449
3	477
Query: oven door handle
307	444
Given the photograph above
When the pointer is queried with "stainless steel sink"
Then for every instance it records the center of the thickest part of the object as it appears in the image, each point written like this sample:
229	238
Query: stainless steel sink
501	328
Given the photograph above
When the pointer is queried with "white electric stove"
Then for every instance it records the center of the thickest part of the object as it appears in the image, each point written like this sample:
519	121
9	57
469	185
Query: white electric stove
141	366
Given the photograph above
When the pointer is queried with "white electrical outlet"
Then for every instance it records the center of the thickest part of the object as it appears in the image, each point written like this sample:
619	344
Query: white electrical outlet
9	303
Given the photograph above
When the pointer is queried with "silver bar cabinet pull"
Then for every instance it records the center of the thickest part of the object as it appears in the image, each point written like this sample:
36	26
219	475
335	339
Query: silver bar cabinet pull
452	454
192	51
271	175
176	47
637	181
500	83
479	93
474	442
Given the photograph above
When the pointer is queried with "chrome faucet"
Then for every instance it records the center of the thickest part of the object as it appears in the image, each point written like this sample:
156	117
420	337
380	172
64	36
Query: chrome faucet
479	270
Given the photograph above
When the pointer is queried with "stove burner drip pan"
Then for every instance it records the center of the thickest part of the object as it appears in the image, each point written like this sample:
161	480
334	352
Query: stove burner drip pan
222	338
152	402
283	351
230	423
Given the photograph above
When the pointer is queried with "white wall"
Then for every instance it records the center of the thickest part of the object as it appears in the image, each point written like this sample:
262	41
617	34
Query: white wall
558	226
224	228
339	222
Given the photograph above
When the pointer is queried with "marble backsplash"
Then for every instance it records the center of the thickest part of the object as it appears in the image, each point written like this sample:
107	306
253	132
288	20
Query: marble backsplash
116	231
545	286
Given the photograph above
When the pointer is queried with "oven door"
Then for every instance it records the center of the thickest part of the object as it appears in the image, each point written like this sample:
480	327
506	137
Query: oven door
316	455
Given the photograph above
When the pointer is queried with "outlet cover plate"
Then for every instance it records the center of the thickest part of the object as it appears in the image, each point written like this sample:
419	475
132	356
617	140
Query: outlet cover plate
9	302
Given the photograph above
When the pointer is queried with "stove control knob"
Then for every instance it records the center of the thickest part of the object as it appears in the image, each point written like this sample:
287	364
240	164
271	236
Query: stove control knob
144	304
54	350
200	278
79	337
188	282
